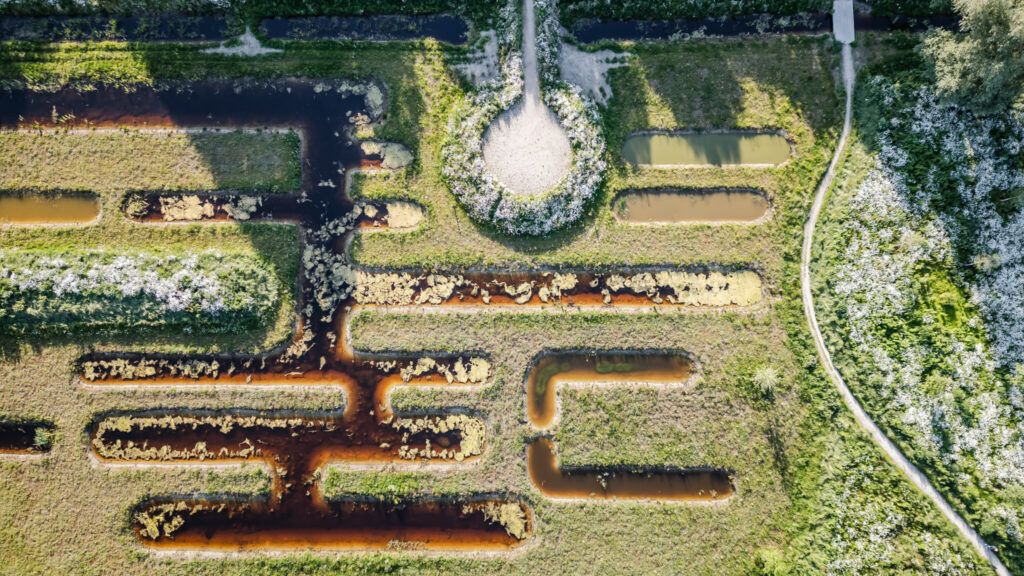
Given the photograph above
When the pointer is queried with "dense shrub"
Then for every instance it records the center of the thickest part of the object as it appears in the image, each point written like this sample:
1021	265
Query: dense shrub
982	67
672	9
911	7
476	10
74	292
927	294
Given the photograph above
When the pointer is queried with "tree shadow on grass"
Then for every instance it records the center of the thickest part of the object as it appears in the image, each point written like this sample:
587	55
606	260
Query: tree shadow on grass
136	67
718	85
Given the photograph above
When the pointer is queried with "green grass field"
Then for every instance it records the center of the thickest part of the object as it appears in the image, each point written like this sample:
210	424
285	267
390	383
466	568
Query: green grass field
813	494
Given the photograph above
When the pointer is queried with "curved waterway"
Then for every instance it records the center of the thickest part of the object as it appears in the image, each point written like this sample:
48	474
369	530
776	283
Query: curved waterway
32	209
675	150
696	206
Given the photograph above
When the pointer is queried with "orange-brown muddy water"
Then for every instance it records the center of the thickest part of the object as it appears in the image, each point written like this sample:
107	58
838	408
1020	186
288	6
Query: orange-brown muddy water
620	482
553	370
626	483
430	524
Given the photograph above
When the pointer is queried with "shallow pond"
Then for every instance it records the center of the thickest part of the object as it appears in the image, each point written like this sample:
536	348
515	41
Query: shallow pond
668	206
46	209
724	149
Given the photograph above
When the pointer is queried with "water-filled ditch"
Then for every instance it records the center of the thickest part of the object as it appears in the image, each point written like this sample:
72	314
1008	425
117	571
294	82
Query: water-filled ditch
554	370
616	482
351	524
25	437
623	482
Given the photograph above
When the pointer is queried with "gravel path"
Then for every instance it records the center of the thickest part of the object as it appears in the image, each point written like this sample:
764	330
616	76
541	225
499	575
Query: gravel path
526	147
844	32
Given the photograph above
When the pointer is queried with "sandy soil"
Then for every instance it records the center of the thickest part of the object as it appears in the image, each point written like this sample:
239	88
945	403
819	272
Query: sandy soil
482	65
249	46
525	147
589	70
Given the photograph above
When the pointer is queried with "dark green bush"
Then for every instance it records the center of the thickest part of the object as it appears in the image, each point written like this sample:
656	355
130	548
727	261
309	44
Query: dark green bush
911	7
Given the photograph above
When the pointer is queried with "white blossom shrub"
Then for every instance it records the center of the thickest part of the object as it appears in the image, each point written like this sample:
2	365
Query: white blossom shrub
929	297
483	196
876	524
942	386
941	157
75	291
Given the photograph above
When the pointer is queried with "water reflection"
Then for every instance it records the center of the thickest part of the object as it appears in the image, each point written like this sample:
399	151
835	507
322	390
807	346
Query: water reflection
724	149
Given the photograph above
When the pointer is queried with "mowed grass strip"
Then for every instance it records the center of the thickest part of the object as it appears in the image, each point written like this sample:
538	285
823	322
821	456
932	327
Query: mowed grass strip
103	159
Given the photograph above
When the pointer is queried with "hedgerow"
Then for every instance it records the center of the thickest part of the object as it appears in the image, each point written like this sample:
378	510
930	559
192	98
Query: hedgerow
676	9
89	291
477	10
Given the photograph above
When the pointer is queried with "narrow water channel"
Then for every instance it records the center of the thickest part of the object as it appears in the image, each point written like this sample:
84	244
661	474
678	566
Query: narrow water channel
554	370
670	150
627	483
425	523
622	482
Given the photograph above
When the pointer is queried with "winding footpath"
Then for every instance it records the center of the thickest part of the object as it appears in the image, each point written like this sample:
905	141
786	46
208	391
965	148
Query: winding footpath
844	32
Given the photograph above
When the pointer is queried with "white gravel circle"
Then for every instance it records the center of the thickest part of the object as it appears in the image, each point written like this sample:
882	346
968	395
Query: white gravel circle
526	148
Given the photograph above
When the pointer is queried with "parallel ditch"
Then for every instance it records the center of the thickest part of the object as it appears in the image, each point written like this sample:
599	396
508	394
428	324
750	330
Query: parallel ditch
682	149
616	482
623	482
422	523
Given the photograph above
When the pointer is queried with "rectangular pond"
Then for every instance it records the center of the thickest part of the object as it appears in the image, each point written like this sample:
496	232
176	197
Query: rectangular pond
673	206
670	150
48	209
